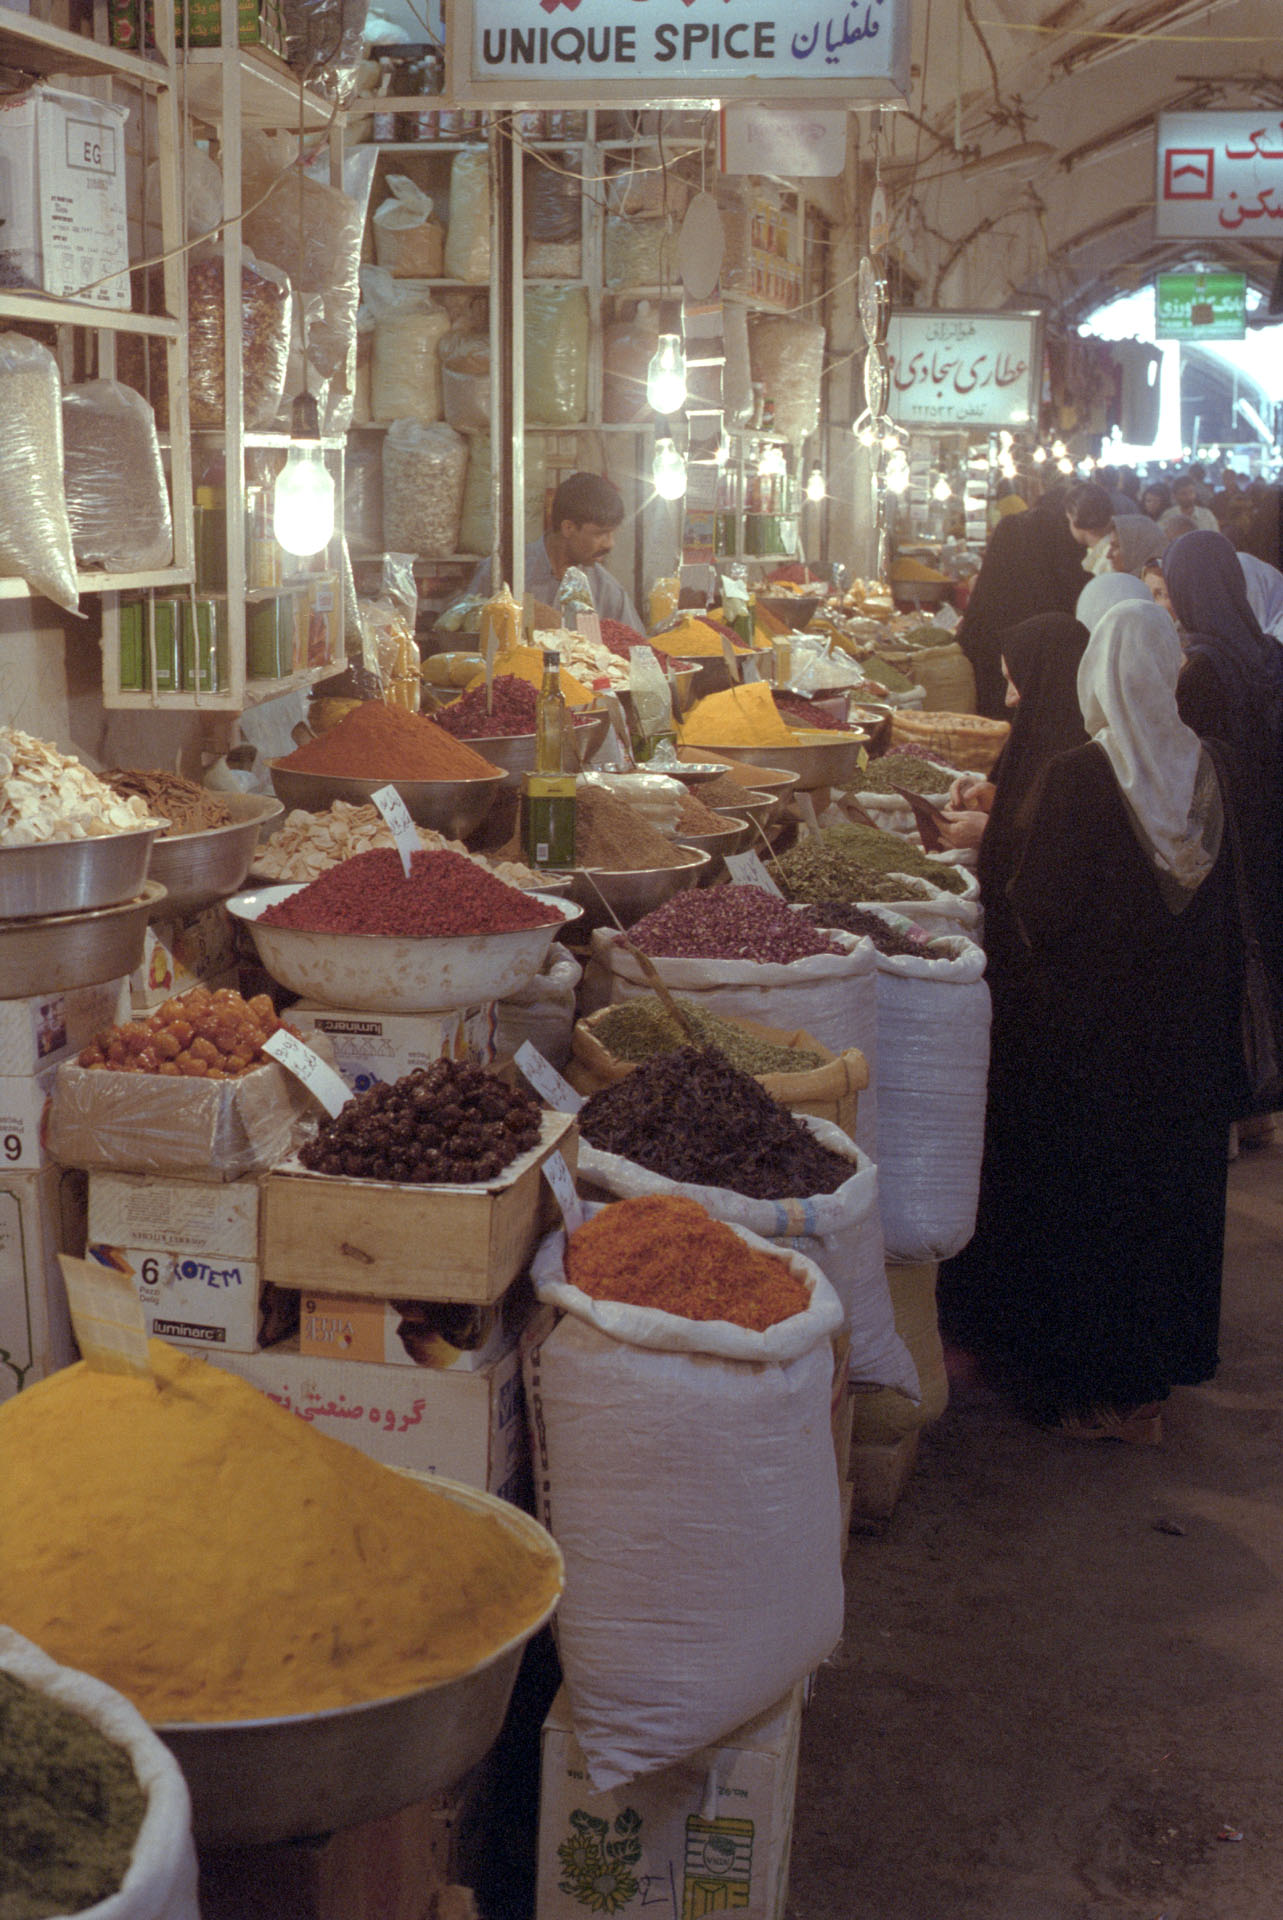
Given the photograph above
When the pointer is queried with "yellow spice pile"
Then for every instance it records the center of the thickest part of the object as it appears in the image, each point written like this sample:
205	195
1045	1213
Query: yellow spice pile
213	1557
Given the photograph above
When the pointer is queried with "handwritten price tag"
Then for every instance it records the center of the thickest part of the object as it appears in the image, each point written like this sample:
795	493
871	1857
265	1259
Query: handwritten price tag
399	824
560	1179
298	1059
107	1316
546	1080
731	658
589	625
748	870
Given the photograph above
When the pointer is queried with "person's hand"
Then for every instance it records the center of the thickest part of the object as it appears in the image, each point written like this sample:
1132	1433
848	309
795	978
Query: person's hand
965	828
970	792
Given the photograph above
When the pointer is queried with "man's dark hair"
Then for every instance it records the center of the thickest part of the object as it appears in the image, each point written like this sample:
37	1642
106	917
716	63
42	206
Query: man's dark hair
586	496
1089	507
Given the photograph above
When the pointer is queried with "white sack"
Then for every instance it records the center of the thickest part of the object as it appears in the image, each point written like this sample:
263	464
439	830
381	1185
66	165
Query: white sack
543	1012
160	1882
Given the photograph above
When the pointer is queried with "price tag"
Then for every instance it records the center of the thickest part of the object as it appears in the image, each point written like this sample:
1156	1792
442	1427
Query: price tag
747	870
107	1317
403	830
546	1080
731	658
589	625
749	670
560	1179
298	1059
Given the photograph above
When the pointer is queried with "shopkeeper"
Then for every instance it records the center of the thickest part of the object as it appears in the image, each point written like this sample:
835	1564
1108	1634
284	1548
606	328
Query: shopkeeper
586	509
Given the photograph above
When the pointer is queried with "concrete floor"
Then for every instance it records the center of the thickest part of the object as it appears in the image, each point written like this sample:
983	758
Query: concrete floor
1060	1692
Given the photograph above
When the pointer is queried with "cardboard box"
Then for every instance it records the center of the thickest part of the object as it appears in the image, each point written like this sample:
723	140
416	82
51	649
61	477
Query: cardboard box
62	195
191	1249
371	1048
257	24
374	1237
711	1835
41	1216
175	1216
466	1426
46	1028
196	951
199	1300
23	1099
437	1334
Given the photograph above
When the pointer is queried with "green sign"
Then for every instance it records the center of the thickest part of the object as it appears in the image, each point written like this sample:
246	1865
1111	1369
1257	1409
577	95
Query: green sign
1201	306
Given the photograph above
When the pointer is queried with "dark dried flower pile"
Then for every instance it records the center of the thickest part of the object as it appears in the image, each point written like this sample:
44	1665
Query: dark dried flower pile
729	923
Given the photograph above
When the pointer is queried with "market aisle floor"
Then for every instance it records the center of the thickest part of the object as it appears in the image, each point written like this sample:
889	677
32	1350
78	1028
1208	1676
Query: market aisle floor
1062	1675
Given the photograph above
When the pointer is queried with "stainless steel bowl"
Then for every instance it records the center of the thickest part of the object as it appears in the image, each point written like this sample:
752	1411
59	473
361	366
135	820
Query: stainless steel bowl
632	895
257	1781
515	752
453	807
756	808
738	834
73	876
773	781
692	773
197	868
50	953
817	763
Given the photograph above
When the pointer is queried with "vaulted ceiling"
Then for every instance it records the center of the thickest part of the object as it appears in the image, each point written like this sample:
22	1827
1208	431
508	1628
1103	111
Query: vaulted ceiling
1023	172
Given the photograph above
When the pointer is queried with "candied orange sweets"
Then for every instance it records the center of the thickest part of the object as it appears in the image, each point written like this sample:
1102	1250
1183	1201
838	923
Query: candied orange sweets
200	1034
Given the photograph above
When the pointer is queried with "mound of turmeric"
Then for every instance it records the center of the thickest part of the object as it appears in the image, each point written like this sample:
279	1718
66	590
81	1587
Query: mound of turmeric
213	1557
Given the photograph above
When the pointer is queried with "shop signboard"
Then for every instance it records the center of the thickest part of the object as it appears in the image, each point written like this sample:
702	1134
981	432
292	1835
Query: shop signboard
1220	173
950	370
516	53
1201	306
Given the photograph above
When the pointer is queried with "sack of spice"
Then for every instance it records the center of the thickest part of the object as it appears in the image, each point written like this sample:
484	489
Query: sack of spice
148	1872
680	1461
543	1012
933	1065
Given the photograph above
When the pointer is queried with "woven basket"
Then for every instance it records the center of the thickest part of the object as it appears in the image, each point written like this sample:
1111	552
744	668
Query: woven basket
964	740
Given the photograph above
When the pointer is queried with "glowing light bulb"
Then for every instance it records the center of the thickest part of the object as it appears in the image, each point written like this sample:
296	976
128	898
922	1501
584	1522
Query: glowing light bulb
890	442
1089	465
723	453
1039	455
771	462
1058	449
666	376
1065	464
897	474
303	501
1005	440
865	429
1007	467
942	490
668	470
815	487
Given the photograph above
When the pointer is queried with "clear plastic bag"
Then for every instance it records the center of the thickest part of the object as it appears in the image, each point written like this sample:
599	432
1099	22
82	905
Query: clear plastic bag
408	241
627	349
467	247
266	319
115	483
405	372
787	359
640	253
556	347
424	468
554	199
35	532
325	39
476	527
363	494
465	381
554	260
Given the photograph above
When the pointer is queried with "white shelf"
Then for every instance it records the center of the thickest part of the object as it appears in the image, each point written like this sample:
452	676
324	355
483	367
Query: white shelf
268	88
90	581
255	693
33	46
48	308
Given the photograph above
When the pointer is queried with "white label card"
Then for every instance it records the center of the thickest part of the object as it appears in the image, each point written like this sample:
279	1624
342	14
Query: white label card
561	1180
397	817
589	625
748	870
546	1080
731	658
319	1079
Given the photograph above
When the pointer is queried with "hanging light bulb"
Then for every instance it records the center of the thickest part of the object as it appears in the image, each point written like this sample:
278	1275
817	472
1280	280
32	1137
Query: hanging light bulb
666	376
897	474
815	487
890	441
1089	465
303	497
865	429
1058	449
1065	464
1007	467
1005	440
1039	455
723	453
942	490
771	462
668	470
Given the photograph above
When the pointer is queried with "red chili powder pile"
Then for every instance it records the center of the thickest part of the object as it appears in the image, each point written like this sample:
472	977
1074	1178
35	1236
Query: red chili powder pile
668	1253
445	894
374	742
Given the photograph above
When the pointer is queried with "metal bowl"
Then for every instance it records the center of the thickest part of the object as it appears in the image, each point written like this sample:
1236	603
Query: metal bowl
817	763
633	895
515	752
795	611
738	834
692	773
197	868
376	973
253	1782
775	781
73	876
756	808
453	807
56	951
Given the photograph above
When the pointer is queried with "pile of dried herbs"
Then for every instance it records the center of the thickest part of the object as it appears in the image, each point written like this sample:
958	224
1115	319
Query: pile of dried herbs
892	770
850	919
692	1117
638	1029
852	862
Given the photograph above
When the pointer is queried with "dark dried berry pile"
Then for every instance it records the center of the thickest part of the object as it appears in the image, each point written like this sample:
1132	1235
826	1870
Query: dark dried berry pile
447	1122
693	1117
847	918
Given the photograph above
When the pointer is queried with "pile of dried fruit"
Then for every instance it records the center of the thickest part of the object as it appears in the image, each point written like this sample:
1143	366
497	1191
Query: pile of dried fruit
46	795
446	1123
307	845
510	710
199	1035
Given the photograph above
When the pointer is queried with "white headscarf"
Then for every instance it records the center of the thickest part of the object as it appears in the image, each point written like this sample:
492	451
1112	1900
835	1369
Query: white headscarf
1264	593
1127	692
1108	590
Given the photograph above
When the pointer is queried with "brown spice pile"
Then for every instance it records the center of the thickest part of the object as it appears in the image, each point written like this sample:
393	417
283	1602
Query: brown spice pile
376	742
725	792
189	808
668	1253
694	817
611	835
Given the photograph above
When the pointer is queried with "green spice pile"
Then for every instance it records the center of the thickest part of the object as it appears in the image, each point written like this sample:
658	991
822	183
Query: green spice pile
692	1117
852	862
70	1807
886	676
846	918
894	770
638	1029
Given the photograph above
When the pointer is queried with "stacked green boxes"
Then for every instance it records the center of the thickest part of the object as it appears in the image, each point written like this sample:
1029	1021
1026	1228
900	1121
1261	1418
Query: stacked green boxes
191	645
260	23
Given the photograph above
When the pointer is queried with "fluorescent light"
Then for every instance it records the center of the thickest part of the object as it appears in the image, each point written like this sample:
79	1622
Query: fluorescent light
1026	153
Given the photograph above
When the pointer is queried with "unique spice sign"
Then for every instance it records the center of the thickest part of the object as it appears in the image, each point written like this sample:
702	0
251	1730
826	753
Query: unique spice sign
963	369
1220	173
670	52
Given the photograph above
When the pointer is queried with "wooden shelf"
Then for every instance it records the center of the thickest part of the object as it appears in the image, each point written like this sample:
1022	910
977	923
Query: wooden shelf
33	46
48	308
268	88
90	581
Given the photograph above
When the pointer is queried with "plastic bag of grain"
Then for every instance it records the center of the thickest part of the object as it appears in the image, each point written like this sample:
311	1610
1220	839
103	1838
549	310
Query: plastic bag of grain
467	246
476	527
35	532
266	320
556	348
465	381
639	253
117	500
424	469
405	372
679	1462
787	358
408	240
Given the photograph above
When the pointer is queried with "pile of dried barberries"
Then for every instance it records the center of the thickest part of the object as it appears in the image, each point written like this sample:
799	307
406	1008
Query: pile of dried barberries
446	1123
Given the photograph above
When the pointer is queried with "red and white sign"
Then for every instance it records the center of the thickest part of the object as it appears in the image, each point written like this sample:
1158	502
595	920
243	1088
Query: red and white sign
963	369
1220	173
